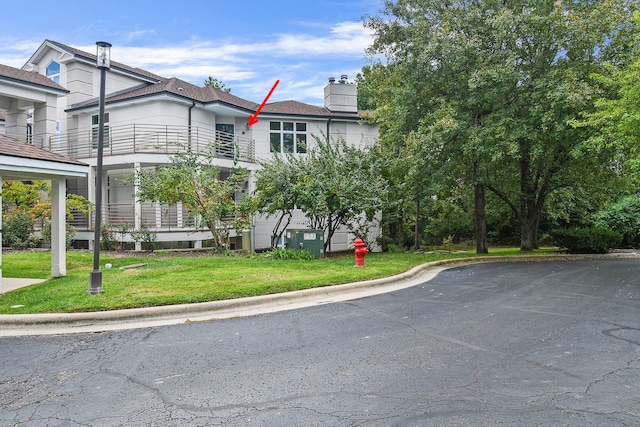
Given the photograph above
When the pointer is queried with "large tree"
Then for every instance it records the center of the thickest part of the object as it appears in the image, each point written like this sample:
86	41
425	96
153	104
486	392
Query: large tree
504	79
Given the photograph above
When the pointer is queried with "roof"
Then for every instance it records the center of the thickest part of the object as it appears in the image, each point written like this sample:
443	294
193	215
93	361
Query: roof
301	109
12	147
204	95
208	95
179	88
92	58
30	78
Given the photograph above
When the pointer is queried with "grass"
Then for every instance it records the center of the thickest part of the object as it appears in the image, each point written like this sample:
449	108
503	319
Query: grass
178	279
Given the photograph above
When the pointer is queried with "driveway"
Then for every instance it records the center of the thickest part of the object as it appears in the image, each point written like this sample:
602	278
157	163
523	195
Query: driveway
513	343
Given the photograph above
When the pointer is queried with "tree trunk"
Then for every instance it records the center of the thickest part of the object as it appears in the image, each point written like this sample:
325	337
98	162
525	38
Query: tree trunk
482	244
416	238
529	222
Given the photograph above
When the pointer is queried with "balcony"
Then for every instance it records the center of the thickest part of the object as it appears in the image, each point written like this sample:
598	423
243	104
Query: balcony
150	139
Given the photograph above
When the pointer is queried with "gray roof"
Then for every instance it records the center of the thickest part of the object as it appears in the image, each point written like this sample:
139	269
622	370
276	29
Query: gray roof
13	147
29	78
92	58
205	95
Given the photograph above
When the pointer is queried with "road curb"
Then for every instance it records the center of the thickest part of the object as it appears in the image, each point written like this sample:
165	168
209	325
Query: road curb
34	324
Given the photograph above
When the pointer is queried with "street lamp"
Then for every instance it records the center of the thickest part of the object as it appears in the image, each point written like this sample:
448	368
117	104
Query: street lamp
103	62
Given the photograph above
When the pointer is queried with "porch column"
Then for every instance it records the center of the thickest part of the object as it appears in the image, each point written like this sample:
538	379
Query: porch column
137	208
16	120
44	124
58	228
0	234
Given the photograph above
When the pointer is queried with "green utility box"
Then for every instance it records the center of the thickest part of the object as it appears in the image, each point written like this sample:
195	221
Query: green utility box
305	239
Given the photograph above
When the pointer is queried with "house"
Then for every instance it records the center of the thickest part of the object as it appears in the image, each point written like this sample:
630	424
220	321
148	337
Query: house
148	118
21	159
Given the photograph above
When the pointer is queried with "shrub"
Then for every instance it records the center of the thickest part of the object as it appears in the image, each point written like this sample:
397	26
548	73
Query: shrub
69	235
294	254
17	230
148	238
623	217
586	240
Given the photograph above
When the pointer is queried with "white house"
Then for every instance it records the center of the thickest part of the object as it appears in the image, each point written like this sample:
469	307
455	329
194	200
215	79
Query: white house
20	92
148	118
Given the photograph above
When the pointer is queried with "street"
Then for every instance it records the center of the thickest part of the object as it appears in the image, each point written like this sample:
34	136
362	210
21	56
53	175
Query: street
514	343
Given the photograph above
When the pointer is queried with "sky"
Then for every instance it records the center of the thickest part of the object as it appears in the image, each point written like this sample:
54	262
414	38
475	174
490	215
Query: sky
247	45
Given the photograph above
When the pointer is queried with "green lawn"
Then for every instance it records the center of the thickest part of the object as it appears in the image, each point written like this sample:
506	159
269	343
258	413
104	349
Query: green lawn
177	279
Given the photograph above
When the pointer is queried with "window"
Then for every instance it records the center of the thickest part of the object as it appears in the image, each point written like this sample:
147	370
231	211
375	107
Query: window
288	137
224	140
94	130
53	72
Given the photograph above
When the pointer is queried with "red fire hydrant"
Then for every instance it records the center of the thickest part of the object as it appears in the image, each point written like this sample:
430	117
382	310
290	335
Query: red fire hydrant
360	250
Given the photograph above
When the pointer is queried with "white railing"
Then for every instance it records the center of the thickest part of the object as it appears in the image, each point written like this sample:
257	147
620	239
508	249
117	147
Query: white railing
154	216
152	139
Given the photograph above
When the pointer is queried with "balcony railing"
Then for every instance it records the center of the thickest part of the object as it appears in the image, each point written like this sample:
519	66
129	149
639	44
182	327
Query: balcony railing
152	139
155	217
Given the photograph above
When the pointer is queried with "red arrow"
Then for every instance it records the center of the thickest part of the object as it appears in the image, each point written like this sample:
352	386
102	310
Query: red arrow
253	118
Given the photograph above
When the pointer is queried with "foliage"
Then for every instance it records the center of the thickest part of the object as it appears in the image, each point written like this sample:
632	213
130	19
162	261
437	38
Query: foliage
217	84
333	184
485	91
586	240
69	235
624	218
275	193
113	235
285	253
23	195
32	198
18	230
145	236
616	116
199	185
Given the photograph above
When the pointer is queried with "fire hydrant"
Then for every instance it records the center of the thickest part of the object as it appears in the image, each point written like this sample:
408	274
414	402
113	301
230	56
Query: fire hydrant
360	250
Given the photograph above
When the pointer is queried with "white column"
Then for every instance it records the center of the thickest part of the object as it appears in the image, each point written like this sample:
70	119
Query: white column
44	122
0	234
58	228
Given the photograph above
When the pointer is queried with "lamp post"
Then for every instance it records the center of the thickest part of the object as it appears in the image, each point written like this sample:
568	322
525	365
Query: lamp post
103	62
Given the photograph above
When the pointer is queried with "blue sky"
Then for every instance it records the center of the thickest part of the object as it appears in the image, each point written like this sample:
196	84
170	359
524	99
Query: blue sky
246	44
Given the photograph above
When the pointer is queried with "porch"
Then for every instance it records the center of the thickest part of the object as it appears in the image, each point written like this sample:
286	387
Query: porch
82	144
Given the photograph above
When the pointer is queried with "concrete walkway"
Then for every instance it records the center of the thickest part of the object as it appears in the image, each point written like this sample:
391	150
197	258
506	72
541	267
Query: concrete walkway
64	323
11	284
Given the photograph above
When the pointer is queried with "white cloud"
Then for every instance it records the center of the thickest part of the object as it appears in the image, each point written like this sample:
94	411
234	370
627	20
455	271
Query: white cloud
302	61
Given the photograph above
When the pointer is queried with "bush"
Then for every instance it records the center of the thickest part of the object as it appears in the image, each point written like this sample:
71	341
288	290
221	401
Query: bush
586	240
294	254
623	217
69	235
17	230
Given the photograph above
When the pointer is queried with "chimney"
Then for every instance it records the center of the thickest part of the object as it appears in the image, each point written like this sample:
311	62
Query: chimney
341	97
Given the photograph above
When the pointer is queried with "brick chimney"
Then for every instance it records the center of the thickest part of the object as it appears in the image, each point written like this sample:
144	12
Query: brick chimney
341	97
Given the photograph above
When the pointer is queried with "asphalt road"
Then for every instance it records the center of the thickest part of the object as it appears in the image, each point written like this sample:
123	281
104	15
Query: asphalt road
536	343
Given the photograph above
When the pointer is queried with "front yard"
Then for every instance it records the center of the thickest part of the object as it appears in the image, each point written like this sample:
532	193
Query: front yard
170	278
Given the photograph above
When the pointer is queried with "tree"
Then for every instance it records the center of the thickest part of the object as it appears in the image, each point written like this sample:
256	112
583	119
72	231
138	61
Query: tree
275	193
333	184
218	84
508	79
28	201
194	181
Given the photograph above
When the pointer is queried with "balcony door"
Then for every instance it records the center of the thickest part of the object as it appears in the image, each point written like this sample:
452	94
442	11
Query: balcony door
224	143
